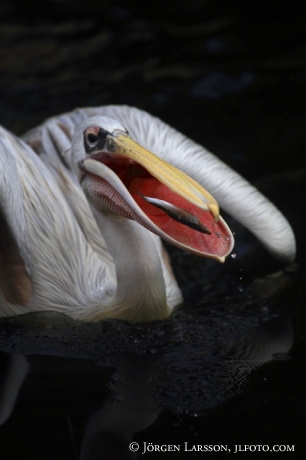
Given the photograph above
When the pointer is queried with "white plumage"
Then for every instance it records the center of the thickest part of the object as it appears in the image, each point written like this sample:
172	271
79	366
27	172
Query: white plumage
67	264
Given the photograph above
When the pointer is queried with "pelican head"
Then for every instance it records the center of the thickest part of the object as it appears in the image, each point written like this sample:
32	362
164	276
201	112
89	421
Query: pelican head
122	178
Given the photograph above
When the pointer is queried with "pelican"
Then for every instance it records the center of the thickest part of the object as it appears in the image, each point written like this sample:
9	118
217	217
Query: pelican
85	199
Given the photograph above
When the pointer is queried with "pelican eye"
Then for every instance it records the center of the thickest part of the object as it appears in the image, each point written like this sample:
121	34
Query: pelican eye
92	139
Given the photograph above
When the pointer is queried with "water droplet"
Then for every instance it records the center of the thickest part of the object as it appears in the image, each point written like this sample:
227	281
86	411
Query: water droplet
233	256
240	289
195	414
240	278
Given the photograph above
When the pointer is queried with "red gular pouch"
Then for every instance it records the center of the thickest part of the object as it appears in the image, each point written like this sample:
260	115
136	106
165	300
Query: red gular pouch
171	216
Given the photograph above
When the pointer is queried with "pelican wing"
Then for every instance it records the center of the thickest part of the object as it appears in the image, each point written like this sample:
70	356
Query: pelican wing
41	268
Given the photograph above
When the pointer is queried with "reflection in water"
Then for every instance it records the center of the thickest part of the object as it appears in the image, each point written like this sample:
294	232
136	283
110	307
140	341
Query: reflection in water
181	364
142	387
14	369
130	409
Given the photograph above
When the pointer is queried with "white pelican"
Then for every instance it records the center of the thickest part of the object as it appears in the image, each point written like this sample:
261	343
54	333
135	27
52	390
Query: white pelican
53	255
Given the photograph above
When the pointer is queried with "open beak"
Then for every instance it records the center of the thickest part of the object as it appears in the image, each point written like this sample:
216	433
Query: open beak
157	195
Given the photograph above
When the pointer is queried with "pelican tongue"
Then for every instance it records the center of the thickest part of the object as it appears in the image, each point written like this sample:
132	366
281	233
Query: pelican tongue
179	214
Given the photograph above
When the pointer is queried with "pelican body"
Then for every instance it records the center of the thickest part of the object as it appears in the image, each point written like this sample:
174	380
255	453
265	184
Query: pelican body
86	198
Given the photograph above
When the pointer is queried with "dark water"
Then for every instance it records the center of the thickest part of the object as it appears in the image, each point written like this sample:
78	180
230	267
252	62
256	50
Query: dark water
229	367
